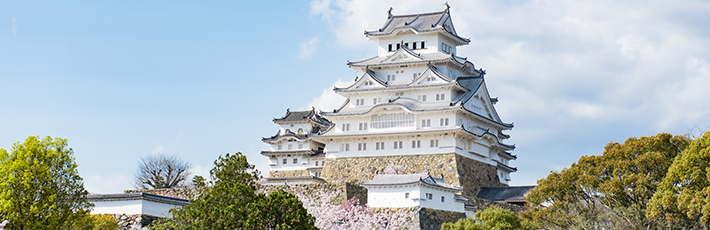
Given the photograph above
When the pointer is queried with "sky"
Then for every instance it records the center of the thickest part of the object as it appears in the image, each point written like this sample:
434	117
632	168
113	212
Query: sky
124	79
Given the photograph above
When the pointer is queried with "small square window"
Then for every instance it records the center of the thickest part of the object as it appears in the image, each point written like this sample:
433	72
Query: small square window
442	198
295	160
285	161
406	195
316	163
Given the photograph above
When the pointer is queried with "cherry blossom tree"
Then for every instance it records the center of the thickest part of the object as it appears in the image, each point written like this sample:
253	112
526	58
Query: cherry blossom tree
352	214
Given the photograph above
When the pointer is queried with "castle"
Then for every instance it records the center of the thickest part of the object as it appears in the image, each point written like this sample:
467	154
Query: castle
417	104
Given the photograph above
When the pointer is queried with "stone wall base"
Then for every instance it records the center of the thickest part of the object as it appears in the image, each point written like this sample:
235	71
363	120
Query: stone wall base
126	221
288	173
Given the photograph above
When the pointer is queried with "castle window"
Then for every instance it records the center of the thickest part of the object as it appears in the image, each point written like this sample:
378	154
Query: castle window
442	199
363	126
416	144
280	147
426	123
300	131
374	101
434	143
421	97
397	145
290	146
322	163
344	147
397	45
443	121
346	127
390	77
414	45
406	195
379	145
440	97
429	196
300	146
390	47
392	120
423	46
399	94
285	161
406	44
361	146
316	163
295	160
317	174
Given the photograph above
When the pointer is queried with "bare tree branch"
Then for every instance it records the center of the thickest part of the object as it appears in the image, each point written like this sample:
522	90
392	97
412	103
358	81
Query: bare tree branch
161	171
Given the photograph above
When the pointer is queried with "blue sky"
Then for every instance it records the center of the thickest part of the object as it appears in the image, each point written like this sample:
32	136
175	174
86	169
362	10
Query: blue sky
125	79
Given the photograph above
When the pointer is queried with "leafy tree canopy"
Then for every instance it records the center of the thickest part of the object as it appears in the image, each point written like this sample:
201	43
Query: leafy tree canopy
683	197
609	190
231	202
491	218
40	185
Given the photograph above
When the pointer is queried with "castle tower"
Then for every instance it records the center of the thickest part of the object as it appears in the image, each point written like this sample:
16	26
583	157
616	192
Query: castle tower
419	105
293	156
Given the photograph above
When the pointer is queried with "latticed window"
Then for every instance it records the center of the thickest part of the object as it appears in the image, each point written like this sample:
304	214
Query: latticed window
391	120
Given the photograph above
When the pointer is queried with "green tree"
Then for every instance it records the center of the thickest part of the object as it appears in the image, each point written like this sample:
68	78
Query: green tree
231	202
95	222
683	197
610	190
492	218
40	185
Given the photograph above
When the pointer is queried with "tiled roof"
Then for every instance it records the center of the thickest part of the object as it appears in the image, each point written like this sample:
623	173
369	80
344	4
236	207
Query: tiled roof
507	193
407	179
136	196
427	22
290	152
420	58
303	116
287	134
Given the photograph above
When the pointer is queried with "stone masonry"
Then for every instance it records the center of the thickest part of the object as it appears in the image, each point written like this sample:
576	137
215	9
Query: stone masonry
456	169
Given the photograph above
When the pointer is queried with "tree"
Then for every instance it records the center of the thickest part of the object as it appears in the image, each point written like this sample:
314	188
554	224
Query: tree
683	197
161	171
40	185
231	202
491	218
610	190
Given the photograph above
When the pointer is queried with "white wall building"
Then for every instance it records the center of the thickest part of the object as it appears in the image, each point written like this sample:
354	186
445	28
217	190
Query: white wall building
134	204
413	190
417	97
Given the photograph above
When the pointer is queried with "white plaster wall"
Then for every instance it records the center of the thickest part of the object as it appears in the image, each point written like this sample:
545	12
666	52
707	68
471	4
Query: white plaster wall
430	41
392	197
131	207
157	209
449	203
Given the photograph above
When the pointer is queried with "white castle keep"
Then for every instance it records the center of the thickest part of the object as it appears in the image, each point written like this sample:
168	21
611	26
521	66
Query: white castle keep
417	104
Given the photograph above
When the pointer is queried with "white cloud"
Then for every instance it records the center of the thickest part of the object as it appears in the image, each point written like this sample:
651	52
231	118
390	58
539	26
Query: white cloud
308	47
201	171
329	100
114	183
569	65
158	149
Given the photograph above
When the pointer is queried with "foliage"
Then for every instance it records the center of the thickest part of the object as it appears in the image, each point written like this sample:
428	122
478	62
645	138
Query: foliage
161	171
40	185
232	203
351	214
609	190
95	222
492	218
683	197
